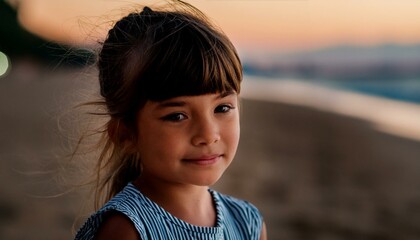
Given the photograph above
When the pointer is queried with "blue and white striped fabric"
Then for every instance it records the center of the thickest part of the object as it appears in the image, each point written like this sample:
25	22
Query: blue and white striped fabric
236	219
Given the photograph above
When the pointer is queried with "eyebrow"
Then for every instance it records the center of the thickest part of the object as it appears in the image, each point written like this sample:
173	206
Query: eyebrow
171	103
225	94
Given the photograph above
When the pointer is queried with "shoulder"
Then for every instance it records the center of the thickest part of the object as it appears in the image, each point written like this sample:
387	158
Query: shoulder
243	213
122	210
241	210
117	226
239	205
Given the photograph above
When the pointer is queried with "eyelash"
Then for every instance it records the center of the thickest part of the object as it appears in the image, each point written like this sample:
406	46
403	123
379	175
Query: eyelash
174	117
178	117
226	108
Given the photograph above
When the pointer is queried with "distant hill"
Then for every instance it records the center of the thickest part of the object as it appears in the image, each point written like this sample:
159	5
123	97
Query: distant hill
384	62
17	42
388	52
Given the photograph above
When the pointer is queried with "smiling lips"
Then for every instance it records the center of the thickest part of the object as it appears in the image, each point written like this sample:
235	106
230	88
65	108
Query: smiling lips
204	160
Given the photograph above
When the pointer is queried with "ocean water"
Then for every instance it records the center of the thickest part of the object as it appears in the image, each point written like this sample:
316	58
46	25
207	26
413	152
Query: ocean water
390	71
407	90
403	90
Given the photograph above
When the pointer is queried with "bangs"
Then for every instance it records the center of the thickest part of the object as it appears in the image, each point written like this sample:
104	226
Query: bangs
188	59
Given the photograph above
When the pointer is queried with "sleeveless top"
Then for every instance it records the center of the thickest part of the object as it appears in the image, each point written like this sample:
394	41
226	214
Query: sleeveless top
236	219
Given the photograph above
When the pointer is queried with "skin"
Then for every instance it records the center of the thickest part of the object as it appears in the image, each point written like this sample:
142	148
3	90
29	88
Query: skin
185	145
188	141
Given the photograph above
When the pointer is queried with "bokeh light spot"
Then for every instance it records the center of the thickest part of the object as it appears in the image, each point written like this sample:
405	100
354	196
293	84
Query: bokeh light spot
4	64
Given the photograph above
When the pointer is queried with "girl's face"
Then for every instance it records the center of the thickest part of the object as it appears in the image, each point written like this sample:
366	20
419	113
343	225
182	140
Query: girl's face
188	139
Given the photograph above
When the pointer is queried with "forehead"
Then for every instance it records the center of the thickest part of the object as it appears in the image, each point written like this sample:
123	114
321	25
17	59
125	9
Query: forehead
189	100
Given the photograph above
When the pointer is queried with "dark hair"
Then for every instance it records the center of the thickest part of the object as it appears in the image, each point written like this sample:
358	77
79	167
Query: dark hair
153	56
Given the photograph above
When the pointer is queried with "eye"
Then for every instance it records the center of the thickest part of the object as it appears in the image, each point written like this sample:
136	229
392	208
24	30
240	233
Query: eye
224	108
174	117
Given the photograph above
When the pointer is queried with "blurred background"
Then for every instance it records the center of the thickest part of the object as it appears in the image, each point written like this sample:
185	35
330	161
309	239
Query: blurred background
330	141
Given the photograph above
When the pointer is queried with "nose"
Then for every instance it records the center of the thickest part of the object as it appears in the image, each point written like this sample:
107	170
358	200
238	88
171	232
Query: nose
206	131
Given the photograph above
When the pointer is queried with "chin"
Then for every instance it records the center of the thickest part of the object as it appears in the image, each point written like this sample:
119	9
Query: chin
207	181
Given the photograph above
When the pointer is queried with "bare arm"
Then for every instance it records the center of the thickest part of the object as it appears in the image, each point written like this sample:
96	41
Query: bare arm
263	235
117	227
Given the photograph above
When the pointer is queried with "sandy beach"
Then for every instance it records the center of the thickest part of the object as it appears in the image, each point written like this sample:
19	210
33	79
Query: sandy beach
314	172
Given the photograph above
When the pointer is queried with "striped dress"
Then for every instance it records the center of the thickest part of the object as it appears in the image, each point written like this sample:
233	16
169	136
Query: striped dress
236	219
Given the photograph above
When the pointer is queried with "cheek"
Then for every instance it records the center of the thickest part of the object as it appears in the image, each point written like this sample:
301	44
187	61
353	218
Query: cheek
155	141
147	139
232	133
237	135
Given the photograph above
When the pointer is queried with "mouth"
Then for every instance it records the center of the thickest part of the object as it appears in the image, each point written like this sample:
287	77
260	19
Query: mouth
204	160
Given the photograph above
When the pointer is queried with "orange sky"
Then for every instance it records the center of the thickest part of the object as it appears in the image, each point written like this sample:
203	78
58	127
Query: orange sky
251	24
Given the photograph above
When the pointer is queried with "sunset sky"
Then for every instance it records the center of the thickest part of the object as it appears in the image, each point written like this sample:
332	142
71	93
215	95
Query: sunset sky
279	25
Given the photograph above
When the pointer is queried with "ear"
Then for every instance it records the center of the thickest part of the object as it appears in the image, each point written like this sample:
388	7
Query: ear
121	135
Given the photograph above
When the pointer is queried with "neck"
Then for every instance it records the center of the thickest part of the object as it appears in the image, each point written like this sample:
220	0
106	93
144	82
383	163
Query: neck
190	203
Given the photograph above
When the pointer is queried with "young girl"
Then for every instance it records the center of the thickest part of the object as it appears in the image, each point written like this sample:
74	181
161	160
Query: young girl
170	81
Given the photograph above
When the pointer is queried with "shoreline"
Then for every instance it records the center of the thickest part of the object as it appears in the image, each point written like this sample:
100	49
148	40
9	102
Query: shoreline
389	116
